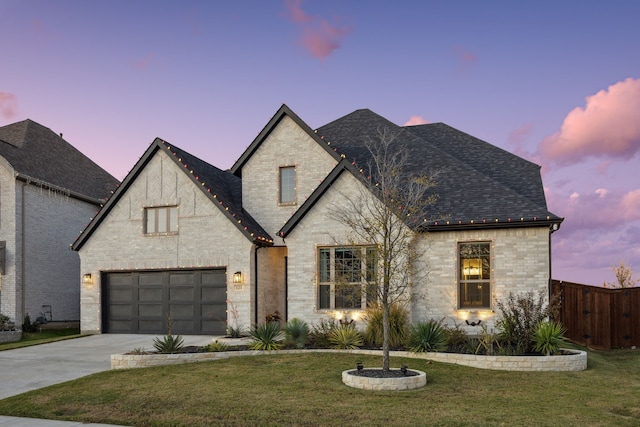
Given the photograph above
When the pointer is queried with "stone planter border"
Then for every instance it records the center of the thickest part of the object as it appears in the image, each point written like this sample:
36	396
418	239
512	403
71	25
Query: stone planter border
385	384
10	336
576	361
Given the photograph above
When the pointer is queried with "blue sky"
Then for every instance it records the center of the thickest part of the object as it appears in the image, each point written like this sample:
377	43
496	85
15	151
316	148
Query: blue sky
555	82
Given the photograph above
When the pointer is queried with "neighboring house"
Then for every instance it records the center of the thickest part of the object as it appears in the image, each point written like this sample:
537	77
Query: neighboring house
210	248
48	193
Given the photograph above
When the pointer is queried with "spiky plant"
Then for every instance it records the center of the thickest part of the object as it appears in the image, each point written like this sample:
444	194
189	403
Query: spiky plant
170	344
345	338
548	337
266	336
427	336
296	332
397	325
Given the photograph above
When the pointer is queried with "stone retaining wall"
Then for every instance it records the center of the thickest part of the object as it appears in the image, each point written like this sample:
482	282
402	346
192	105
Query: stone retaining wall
10	336
577	361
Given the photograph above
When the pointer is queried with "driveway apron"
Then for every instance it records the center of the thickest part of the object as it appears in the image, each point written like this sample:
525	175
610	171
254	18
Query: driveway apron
30	368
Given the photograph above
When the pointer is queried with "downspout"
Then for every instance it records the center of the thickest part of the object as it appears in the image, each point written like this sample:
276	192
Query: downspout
286	289
23	268
255	284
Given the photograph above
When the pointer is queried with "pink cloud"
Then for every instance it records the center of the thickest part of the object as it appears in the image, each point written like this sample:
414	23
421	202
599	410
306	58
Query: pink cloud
415	120
319	37
466	56
607	126
8	105
143	64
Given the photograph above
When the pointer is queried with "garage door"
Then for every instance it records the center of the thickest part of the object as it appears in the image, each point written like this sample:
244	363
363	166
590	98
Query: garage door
144	302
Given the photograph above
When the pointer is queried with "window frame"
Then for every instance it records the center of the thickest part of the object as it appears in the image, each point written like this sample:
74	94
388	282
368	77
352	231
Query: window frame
161	214
290	189
474	273
330	297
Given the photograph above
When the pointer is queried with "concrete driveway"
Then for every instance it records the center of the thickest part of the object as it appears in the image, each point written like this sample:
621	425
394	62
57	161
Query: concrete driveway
31	368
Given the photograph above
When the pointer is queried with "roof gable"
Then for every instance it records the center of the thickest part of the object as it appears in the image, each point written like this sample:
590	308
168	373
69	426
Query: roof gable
282	112
38	154
222	188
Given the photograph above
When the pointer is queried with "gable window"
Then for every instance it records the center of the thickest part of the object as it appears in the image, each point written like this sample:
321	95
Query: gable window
161	220
343	276
474	272
288	185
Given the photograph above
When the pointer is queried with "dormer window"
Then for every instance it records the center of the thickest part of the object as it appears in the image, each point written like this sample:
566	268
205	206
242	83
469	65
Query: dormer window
287	185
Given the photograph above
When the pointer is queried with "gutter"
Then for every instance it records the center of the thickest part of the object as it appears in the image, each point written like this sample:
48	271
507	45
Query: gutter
60	190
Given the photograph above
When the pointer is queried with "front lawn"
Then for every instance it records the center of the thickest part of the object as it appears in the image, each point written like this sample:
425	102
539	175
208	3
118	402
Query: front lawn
306	390
42	337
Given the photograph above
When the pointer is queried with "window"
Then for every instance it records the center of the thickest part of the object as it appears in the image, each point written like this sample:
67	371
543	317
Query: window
343	276
161	220
288	185
474	275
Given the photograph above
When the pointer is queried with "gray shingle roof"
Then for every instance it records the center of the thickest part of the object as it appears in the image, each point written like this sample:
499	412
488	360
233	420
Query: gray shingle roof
36	152
478	183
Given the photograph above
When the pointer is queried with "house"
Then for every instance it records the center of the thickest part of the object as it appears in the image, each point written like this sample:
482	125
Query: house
48	193
184	243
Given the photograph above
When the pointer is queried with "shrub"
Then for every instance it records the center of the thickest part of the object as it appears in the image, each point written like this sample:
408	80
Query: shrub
548	337
296	332
427	336
345	338
28	326
170	344
397	325
457	339
267	336
520	315
5	323
488	342
319	334
216	346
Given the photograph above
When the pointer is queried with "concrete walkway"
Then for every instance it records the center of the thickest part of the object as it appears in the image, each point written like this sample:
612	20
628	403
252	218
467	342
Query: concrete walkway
30	368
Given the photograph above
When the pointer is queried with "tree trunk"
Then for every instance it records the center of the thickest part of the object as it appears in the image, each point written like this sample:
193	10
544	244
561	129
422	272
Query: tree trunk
385	336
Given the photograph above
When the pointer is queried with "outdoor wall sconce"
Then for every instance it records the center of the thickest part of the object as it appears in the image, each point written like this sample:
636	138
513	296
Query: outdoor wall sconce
237	277
87	279
473	323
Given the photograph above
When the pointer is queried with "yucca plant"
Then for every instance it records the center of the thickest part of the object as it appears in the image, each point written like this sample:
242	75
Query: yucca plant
345	338
427	336
397	325
266	336
296	332
548	337
216	346
170	344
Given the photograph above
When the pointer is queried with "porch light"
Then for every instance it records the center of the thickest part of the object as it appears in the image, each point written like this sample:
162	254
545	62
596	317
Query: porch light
87	279
237	277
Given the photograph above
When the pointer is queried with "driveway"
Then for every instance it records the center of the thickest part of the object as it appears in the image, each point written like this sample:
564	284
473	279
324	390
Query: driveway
31	368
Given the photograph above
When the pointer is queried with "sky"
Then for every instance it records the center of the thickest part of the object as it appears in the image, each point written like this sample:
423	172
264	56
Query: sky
557	83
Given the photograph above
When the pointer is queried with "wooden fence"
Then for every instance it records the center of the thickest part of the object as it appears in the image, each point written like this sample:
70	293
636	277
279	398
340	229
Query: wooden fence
599	318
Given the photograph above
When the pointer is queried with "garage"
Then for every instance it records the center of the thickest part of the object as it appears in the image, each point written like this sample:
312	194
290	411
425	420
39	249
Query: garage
143	302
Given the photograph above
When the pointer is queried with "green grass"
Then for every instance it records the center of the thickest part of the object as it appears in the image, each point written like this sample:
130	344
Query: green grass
307	390
43	337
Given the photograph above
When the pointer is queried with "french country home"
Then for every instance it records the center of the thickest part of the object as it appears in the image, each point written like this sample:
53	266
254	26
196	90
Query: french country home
48	190
184	243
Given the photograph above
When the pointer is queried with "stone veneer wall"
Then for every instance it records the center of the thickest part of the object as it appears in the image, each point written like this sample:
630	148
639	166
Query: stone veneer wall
519	264
577	361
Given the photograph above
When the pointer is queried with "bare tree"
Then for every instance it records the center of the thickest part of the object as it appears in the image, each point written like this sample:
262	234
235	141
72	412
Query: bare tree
388	214
624	276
